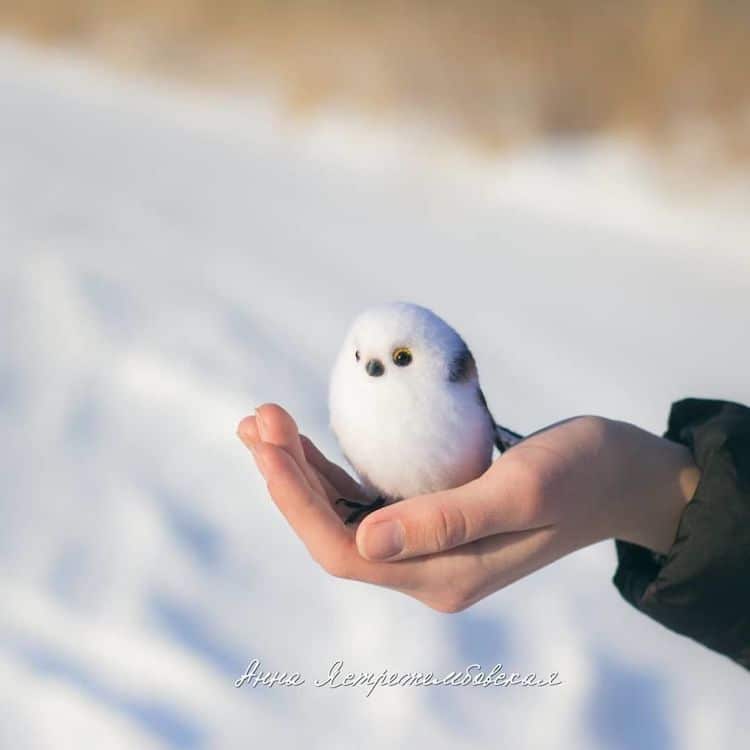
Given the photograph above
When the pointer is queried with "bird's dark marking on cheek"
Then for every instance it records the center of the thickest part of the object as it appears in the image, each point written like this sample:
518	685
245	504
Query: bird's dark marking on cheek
462	367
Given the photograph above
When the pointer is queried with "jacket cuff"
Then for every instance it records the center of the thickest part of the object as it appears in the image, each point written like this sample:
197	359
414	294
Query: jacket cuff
701	587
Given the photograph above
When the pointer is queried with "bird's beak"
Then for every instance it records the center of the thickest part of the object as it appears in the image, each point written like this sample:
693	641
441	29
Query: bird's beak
375	368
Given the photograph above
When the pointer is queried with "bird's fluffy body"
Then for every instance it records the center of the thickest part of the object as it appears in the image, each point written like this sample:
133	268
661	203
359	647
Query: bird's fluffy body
410	429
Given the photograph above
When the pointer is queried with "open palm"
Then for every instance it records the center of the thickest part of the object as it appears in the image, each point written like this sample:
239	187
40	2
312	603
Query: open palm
567	486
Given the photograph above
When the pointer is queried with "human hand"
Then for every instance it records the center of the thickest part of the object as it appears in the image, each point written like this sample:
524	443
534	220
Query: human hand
563	488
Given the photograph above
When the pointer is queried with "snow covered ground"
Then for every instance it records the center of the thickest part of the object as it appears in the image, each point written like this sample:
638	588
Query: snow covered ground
169	261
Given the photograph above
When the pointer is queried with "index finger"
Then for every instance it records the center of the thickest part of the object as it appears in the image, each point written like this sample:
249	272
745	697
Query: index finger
308	512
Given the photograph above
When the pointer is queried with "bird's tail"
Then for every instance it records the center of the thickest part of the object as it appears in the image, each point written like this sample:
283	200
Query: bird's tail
505	438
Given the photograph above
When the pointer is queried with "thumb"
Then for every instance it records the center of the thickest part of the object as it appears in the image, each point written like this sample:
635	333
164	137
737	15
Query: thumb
426	524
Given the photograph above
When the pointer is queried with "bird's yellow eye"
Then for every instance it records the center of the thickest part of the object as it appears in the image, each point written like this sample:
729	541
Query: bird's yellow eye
401	356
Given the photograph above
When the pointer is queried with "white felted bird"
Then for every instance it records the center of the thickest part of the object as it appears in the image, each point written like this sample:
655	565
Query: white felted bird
407	409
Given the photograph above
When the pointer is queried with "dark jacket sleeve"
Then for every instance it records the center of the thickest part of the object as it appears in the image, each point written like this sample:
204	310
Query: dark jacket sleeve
701	587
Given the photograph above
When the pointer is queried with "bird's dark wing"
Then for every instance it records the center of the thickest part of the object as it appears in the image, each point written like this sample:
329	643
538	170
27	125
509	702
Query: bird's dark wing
504	438
463	366
461	369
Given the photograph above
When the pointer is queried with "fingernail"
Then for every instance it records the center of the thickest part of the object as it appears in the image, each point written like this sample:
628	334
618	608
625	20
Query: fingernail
259	420
383	540
241	434
245	441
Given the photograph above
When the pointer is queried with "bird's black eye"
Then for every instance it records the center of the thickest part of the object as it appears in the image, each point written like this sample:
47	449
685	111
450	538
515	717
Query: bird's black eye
401	356
356	355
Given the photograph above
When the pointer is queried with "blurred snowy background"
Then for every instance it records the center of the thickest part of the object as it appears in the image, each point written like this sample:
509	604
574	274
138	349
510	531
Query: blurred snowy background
174	254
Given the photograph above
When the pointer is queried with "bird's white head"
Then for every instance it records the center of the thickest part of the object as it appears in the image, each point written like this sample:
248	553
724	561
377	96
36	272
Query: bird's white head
403	345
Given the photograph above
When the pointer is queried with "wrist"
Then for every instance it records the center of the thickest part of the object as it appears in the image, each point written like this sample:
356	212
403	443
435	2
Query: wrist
659	478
